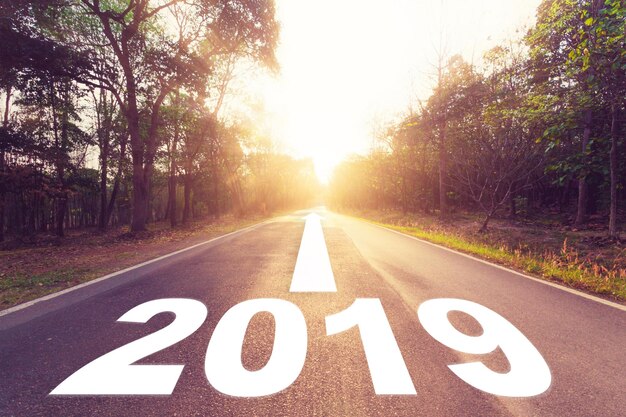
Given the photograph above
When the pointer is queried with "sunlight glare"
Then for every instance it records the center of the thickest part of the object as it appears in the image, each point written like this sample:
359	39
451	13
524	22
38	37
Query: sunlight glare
346	64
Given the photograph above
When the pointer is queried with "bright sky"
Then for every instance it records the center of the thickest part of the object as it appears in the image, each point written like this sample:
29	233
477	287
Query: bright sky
347	65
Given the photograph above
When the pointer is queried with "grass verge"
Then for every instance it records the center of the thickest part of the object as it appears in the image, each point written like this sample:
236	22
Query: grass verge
50	265
564	266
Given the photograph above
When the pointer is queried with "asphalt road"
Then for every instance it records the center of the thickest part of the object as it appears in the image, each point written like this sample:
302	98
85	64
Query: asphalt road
583	341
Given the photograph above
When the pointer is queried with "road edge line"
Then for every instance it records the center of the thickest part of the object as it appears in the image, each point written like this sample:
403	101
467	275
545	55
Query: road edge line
30	303
504	268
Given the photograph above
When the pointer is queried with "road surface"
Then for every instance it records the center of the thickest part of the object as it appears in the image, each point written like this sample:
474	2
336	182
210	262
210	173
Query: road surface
582	341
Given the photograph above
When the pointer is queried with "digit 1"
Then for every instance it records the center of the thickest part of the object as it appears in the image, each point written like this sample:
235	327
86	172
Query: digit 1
387	368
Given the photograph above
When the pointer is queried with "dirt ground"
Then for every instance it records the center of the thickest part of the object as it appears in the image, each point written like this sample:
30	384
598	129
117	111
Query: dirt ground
542	235
49	264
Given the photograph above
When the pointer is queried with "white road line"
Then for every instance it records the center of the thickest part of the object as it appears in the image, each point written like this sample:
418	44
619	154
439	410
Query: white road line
541	281
313	272
85	284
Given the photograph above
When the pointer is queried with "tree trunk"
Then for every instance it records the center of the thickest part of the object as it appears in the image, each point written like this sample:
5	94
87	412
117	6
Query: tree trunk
443	169
564	196
140	196
43	226
172	176
118	176
581	214
613	169
512	206
236	191
60	215
187	192
443	203
5	125
140	185
216	184
2	197
112	198
60	139
172	197
131	113
143	151
105	115
104	160
483	227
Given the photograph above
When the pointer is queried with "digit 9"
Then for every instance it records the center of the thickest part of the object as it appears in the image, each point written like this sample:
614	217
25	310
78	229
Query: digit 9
529	374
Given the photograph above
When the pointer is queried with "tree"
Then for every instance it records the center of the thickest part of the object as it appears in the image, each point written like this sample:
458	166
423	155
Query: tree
52	117
155	62
3	148
24	55
601	55
496	154
195	141
561	29
577	51
442	107
111	140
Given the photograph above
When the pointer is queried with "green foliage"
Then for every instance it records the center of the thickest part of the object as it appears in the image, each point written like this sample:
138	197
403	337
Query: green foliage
535	119
81	74
577	52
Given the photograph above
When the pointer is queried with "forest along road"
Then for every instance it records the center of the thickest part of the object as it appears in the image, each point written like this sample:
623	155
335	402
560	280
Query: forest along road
399	368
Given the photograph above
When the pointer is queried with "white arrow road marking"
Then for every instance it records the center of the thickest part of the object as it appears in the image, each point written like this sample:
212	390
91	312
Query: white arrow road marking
313	272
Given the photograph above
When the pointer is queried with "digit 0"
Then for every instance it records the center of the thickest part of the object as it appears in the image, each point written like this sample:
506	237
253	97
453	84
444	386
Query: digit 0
223	366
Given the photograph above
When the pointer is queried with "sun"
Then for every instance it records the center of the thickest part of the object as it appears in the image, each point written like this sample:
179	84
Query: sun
345	64
325	165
